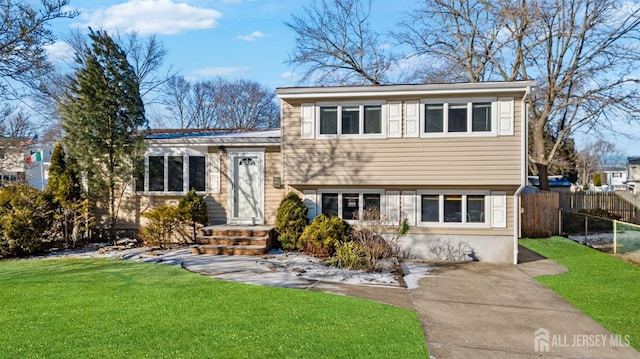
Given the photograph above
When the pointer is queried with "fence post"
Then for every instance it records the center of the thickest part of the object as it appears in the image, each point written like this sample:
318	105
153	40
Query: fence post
560	221
586	228
615	236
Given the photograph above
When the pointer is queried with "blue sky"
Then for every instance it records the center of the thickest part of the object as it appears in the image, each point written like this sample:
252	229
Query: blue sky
235	39
244	39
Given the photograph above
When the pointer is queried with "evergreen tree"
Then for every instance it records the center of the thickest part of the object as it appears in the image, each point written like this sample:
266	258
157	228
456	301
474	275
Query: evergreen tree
101	114
194	208
64	184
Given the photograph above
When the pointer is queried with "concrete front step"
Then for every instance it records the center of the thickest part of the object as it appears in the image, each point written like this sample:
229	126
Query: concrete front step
232	240
229	250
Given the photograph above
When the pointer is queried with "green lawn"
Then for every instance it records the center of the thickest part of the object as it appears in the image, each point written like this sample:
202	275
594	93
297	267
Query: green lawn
605	288
99	308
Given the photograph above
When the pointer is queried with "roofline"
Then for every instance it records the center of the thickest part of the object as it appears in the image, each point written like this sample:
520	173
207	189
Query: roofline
210	141
403	90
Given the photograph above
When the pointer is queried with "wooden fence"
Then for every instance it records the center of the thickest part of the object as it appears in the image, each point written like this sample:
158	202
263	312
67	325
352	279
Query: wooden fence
608	201
539	212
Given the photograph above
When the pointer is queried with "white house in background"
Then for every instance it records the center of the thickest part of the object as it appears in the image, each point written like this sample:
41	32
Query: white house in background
616	177
633	174
37	168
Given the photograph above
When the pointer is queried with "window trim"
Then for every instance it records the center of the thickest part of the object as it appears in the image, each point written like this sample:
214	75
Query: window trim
446	102
464	224
361	192
361	105
166	152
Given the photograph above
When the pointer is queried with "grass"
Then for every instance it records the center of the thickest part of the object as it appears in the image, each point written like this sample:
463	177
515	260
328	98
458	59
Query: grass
113	308
605	288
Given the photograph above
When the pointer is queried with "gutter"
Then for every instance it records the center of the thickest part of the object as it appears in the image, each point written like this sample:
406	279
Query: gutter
523	175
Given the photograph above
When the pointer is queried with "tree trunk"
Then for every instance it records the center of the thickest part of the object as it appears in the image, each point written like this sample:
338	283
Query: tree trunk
543	176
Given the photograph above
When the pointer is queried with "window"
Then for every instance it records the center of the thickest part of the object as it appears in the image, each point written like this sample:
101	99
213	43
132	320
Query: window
350	120
172	174
156	173
481	117
453	209
349	205
328	120
197	173
457	118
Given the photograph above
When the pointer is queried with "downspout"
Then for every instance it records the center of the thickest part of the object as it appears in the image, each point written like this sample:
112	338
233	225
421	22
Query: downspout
523	174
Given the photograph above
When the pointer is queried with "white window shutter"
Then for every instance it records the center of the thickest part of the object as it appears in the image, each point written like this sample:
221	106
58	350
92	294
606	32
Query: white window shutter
499	209
411	118
395	118
409	207
311	202
213	170
307	111
505	116
392	207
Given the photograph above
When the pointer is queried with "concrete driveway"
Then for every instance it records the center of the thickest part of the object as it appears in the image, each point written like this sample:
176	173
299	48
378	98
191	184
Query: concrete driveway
481	310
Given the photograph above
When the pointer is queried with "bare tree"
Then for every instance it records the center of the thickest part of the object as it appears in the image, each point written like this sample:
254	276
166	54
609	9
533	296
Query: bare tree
23	34
336	45
581	52
220	103
594	157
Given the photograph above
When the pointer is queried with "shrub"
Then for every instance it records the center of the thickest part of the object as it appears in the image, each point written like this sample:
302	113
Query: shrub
321	237
163	223
194	210
26	216
291	221
349	255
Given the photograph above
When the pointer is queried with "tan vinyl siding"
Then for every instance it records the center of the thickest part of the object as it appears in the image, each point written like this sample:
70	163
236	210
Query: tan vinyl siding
495	160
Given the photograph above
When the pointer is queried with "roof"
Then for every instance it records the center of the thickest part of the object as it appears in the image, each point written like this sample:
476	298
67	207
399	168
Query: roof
633	160
408	89
213	136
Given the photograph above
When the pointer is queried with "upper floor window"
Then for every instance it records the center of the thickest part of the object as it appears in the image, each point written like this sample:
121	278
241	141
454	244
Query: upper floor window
350	120
457	118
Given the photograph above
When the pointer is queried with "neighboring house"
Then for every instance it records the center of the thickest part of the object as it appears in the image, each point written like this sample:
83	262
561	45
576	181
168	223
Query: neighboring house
450	158
238	173
11	162
556	183
616	177
633	174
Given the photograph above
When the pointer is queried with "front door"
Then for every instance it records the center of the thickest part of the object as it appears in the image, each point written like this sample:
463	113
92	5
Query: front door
246	190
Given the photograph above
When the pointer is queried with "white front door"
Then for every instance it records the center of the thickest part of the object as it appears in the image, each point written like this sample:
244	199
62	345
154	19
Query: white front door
246	187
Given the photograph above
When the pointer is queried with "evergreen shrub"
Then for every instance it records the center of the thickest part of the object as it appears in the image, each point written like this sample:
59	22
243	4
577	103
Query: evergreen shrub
291	221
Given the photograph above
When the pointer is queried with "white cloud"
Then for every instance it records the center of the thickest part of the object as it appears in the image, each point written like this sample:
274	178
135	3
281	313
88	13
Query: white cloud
59	51
220	71
252	36
152	17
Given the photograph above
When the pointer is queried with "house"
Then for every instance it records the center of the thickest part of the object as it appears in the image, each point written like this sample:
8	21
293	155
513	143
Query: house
616	177
633	174
237	171
450	158
11	161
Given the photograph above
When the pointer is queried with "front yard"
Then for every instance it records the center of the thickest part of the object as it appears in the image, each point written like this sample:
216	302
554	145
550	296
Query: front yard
605	288
113	308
